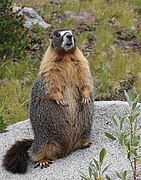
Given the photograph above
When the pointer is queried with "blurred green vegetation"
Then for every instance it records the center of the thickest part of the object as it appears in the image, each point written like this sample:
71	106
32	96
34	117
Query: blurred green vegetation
113	39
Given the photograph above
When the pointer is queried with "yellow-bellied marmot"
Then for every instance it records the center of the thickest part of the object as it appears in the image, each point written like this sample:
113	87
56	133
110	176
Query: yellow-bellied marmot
61	107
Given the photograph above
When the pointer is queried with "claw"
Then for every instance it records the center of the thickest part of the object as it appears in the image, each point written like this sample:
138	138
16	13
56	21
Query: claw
83	100
42	164
65	103
86	100
89	99
49	161
37	165
57	101
62	102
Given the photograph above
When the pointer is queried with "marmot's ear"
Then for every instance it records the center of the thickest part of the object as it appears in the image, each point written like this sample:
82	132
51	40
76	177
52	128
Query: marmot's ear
50	35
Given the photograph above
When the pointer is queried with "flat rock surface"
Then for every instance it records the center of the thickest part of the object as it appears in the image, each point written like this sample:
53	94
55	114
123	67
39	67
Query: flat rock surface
69	168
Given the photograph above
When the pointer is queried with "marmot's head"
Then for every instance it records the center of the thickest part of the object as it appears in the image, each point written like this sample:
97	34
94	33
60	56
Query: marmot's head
62	40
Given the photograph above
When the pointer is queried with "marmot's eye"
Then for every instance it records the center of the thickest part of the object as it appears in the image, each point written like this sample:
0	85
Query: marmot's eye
57	34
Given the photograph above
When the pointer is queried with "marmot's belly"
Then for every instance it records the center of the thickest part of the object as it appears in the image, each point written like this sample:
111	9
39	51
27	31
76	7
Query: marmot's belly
66	125
79	115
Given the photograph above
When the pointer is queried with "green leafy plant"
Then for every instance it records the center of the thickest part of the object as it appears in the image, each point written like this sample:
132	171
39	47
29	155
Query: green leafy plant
13	36
121	175
129	138
3	124
97	169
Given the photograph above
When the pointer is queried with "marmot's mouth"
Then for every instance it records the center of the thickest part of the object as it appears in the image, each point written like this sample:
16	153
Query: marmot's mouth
69	44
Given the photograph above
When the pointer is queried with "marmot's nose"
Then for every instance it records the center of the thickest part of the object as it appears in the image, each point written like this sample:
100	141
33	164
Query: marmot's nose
69	36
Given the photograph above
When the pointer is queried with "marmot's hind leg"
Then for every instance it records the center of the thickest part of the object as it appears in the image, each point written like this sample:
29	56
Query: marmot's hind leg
49	151
83	143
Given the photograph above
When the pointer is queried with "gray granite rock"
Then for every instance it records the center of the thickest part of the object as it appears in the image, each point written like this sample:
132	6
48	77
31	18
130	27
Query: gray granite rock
69	168
31	16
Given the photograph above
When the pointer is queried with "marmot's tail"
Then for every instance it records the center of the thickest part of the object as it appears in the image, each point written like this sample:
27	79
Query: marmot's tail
16	158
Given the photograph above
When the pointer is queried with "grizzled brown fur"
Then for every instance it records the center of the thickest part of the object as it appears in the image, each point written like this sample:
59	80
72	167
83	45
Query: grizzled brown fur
59	67
62	76
61	106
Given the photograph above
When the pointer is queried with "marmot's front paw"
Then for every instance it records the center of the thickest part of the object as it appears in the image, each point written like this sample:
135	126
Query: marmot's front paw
86	100
57	97
62	102
86	94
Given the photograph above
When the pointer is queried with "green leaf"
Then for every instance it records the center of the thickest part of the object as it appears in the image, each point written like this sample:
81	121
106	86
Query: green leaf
124	175
127	143
105	169
102	155
108	178
121	139
118	121
92	168
137	107
83	176
131	119
95	174
135	115
136	140
121	175
110	136
134	105
135	127
114	120
90	171
134	152
92	165
121	123
131	154
96	163
128	98
118	175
